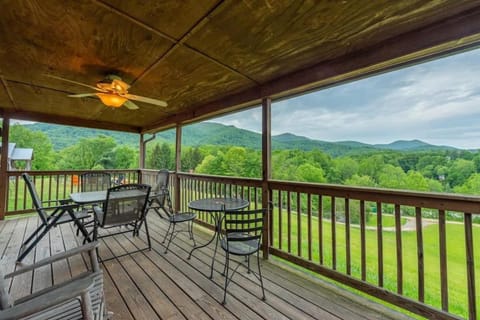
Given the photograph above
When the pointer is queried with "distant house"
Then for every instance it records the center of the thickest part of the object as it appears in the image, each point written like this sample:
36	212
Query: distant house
19	154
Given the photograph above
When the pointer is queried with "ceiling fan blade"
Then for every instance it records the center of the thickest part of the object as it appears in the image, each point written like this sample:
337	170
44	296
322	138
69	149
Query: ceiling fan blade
130	105
145	99
82	95
75	82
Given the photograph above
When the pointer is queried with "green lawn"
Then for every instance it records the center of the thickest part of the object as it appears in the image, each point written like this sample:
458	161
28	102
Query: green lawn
457	278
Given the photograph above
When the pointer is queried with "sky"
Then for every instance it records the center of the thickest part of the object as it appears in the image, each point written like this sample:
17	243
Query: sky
437	102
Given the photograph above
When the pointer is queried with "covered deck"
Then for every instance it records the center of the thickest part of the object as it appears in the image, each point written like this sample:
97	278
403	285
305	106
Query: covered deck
155	285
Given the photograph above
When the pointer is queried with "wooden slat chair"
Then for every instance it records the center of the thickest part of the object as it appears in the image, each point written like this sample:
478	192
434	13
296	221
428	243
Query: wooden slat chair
61	213
125	206
242	236
81	297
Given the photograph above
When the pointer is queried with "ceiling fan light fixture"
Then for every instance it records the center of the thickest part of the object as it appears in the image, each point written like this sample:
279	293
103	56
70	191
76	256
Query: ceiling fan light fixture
111	100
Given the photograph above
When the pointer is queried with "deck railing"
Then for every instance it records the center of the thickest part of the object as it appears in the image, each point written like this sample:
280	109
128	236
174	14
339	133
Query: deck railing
419	251
414	250
53	185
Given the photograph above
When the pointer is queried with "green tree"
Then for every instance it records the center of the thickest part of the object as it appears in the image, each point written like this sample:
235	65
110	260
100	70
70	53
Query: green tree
89	153
459	171
471	186
153	157
43	155
309	173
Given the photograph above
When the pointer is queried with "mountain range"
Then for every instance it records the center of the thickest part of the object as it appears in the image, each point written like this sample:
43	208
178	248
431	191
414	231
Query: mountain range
209	133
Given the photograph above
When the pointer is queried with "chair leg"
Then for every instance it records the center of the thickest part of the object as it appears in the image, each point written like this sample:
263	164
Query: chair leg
27	246
214	255
148	235
166	234
227	260
190	230
171	237
260	274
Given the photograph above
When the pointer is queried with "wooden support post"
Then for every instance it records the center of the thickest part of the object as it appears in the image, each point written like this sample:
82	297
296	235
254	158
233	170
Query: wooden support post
4	167
141	154
178	164
266	170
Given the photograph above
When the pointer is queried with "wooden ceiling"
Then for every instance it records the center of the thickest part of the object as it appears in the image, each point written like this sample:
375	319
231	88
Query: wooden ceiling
207	57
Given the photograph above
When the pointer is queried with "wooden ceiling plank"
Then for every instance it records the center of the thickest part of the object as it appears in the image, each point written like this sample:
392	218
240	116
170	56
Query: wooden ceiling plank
442	37
176	43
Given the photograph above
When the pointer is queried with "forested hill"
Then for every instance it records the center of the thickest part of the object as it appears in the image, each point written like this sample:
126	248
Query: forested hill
208	133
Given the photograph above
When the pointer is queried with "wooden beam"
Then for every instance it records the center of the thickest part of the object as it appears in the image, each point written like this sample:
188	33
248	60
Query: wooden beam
266	170
141	153
49	118
178	164
3	167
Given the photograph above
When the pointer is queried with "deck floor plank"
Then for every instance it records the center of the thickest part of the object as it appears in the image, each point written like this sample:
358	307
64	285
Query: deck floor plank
247	288
155	285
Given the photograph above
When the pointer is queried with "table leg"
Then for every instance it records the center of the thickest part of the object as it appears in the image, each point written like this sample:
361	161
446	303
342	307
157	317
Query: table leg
216	218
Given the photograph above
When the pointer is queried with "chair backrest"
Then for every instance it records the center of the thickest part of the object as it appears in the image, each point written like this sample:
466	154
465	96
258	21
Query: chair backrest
95	181
125	204
37	203
162	181
243	226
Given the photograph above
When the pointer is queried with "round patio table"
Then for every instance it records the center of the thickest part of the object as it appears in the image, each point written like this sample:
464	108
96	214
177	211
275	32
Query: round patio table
216	206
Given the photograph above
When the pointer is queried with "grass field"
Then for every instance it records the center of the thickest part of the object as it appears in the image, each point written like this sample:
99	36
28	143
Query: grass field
457	278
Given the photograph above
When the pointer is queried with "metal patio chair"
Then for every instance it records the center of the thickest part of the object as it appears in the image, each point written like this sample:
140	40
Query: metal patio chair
81	297
95	181
125	210
242	236
160	200
61	213
156	201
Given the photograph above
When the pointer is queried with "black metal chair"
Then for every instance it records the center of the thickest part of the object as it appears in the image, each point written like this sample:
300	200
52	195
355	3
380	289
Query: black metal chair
242	236
94	181
125	206
62	213
156	201
175	218
160	200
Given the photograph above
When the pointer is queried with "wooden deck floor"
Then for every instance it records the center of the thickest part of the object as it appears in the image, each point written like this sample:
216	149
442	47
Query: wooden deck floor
154	285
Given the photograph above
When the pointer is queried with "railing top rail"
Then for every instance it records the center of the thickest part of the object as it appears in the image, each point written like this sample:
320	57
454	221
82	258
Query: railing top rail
251	182
433	200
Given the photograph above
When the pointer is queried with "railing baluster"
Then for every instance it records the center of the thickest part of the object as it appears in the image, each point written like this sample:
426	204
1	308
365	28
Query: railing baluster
443	259
280	213
363	245
380	244
320	229
309	225
334	233
289	222
472	308
299	225
421	265
398	239
347	237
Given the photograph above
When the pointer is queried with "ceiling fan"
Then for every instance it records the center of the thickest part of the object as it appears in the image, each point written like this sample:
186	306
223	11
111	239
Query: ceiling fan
113	92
